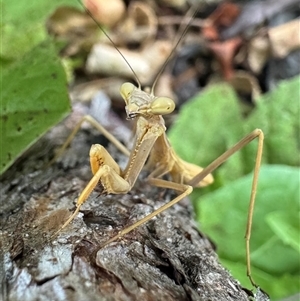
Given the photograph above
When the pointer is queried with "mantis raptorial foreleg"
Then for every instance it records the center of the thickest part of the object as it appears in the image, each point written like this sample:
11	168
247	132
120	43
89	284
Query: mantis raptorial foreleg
105	171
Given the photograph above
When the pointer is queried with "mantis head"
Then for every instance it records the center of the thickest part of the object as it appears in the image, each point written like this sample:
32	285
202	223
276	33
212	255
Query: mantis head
139	102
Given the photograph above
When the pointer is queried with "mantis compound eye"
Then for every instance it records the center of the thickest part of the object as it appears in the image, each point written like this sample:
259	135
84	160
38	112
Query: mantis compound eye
126	90
162	106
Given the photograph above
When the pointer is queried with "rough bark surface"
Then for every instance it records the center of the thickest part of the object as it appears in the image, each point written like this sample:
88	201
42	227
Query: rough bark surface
166	259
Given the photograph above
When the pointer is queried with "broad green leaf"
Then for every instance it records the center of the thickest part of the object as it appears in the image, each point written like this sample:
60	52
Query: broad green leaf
23	24
278	115
223	213
34	97
207	126
279	286
286	225
212	122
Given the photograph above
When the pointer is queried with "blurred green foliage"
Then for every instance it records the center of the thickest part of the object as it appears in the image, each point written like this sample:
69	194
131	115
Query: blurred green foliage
211	123
34	94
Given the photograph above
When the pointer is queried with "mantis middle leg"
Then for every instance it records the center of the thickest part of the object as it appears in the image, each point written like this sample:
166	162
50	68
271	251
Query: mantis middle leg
100	128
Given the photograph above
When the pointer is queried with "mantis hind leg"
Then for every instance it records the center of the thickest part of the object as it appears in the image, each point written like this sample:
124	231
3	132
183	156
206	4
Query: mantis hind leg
243	142
187	189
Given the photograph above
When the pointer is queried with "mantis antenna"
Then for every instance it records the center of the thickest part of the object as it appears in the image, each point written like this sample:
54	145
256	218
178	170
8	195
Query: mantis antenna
113	43
181	35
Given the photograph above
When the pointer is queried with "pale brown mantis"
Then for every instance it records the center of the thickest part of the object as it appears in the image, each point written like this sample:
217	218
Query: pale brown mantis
152	143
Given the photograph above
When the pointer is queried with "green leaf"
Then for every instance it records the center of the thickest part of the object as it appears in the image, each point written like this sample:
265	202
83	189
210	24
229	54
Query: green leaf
277	114
223	215
202	124
285	225
213	121
23	24
279	286
34	97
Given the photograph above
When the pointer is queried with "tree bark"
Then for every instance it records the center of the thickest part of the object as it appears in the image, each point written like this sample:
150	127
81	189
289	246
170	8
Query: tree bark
168	258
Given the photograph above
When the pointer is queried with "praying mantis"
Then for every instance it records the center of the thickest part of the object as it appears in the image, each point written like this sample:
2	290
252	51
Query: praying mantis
153	150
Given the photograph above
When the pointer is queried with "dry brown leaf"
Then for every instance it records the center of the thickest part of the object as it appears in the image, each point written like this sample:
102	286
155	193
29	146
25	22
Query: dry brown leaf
245	83
285	38
224	15
164	87
258	52
106	60
277	42
174	3
140	24
224	52
73	26
107	13
65	20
